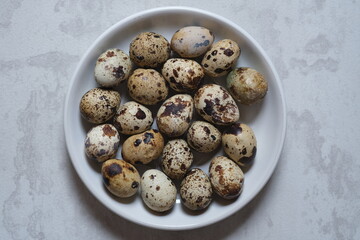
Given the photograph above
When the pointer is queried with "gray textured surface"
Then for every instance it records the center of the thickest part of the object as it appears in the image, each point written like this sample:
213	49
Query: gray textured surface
314	192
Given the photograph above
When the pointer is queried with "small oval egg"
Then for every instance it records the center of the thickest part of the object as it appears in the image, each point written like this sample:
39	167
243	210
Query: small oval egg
102	142
133	118
99	105
120	177
175	114
226	177
183	75
192	41
112	67
215	104
149	50
147	86
247	85
176	158
219	60
239	143
195	190
203	137
143	148
157	190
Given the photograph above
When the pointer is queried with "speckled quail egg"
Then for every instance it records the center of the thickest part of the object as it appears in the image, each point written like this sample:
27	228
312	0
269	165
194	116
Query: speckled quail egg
175	114
226	177
176	158
102	142
239	143
203	136
147	86
99	105
120	177
195	190
215	104
247	85
143	148
219	60
157	190
183	75
112	67
192	41
149	50
133	118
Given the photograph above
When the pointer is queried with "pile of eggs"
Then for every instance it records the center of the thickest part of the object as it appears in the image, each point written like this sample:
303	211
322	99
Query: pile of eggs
158	73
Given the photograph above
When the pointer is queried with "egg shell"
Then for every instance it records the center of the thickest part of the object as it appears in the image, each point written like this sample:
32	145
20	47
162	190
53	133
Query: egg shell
112	67
196	190
99	105
226	177
219	60
239	143
147	86
215	104
247	85
157	190
176	158
120	178
133	118
174	116
149	50
102	142
203	136
192	41
183	75
143	148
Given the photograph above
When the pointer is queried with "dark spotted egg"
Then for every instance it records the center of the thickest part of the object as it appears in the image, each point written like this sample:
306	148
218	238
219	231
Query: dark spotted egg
143	148
120	178
102	142
239	143
215	104
175	114
219	60
192	41
133	118
226	177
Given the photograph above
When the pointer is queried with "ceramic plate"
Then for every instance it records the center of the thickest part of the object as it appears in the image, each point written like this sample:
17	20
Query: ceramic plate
267	118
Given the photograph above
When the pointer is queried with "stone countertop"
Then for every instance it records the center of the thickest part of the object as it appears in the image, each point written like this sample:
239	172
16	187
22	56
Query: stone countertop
314	192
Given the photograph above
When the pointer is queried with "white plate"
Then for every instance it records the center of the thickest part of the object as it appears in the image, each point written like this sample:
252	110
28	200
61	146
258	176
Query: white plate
267	119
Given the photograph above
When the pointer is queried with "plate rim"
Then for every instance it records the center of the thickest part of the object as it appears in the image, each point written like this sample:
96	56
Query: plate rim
146	13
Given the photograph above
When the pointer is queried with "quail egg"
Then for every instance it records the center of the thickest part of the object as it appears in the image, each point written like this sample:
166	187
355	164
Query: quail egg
102	142
120	177
99	105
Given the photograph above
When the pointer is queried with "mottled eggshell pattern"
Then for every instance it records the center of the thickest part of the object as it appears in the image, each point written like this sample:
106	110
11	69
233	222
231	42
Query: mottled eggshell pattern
215	104
147	86
112	67
176	158
203	136
102	142
247	85
99	105
175	114
143	148
219	60
149	50
183	75
133	118
157	190
120	178
192	41
195	190
239	143
226	177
